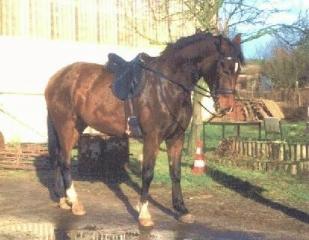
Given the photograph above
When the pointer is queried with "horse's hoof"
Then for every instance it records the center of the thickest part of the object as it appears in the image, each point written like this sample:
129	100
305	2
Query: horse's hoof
78	209
187	218
146	222
63	204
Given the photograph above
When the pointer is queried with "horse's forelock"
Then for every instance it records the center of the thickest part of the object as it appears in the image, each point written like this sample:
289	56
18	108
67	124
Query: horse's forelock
233	48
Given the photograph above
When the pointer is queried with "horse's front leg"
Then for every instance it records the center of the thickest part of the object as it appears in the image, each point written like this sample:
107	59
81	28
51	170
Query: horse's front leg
150	151
174	151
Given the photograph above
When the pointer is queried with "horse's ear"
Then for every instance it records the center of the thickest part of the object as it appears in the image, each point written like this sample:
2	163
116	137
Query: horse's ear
237	39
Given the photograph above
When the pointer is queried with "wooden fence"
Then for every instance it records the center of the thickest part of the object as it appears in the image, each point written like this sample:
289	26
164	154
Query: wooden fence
27	156
266	155
97	155
125	22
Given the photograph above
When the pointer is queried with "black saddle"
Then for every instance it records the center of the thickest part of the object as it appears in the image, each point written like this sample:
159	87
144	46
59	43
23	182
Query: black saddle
127	83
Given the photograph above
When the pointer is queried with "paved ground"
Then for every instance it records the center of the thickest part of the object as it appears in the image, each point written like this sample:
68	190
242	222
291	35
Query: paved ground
26	203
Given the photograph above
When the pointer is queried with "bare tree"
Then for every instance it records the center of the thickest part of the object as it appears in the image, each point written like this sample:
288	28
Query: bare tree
203	13
246	14
229	16
295	34
174	18
288	65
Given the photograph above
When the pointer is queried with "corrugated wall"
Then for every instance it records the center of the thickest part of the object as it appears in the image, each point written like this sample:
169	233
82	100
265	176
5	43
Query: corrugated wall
125	22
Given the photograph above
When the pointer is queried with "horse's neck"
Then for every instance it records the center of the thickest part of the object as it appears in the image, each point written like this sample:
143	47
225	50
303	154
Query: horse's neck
182	74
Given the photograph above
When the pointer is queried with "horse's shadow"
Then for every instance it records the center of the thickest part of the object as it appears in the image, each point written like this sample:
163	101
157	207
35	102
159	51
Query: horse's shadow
122	175
248	190
112	179
45	174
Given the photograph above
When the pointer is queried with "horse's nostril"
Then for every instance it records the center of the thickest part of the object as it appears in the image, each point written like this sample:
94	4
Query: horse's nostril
223	110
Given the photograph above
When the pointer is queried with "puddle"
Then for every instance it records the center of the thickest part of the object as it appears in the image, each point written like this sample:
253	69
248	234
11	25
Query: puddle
95	235
47	231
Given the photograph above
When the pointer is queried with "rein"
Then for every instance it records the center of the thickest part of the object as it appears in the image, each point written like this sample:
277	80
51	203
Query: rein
189	90
161	75
184	88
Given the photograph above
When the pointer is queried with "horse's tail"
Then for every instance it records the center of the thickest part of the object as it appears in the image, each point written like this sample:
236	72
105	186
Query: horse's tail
53	142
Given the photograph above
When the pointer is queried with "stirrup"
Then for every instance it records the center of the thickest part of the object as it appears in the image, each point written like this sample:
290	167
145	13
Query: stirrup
133	128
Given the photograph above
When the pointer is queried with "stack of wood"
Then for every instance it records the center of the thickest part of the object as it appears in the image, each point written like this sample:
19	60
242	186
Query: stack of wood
258	109
253	110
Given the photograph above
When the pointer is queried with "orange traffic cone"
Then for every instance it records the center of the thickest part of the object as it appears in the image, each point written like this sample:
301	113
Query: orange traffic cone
199	165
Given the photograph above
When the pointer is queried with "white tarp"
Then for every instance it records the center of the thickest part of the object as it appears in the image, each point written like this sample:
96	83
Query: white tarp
26	65
209	104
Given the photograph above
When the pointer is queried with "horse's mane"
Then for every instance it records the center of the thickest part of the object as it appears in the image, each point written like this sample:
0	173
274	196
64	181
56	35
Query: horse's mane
183	42
186	41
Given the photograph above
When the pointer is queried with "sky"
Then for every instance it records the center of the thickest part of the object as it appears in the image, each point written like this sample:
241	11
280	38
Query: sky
255	48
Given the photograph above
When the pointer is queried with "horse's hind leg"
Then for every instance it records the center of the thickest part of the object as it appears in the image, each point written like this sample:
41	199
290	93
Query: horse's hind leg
174	150
68	136
54	155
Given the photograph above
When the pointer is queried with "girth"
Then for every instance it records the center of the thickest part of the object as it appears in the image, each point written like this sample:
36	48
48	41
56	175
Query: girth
133	128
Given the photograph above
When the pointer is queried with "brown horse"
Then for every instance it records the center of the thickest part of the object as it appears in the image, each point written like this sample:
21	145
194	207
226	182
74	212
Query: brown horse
80	95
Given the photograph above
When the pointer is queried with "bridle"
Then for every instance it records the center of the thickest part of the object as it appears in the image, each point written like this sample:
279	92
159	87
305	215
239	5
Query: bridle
225	91
201	90
219	91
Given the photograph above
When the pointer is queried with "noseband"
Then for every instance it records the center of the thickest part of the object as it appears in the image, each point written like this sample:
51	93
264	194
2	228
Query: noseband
225	91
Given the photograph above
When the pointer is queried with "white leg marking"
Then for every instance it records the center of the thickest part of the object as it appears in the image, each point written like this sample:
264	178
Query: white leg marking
236	67
71	194
143	211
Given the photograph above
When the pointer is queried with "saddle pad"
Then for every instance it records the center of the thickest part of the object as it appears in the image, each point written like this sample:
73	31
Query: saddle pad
128	81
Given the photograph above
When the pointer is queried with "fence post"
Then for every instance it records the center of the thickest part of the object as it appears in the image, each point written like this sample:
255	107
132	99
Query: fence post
275	151
293	169
295	152
298	152
281	152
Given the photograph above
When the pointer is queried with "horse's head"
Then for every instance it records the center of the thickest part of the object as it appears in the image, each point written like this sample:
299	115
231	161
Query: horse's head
215	58
223	75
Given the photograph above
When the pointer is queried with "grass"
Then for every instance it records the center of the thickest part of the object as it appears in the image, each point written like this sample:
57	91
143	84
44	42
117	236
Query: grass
226	180
223	179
